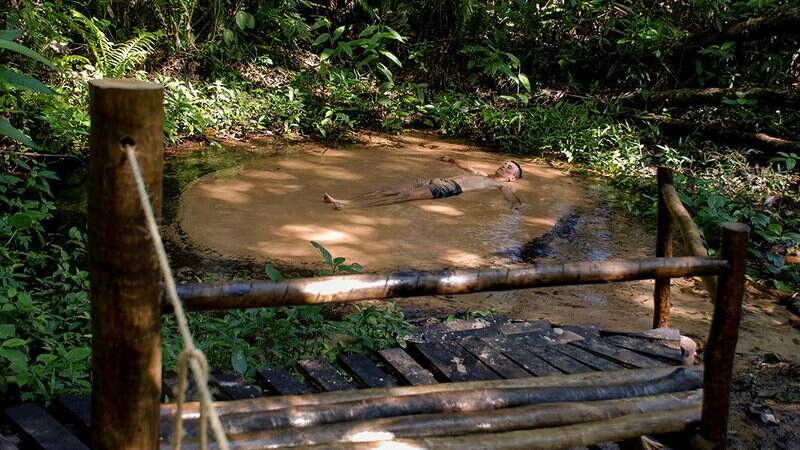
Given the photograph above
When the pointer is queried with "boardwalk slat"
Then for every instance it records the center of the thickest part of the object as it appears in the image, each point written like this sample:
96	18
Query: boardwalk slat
365	371
39	430
622	355
451	362
517	353
512	328
406	368
588	358
281	381
170	388
233	387
324	375
647	347
559	360
496	361
75	409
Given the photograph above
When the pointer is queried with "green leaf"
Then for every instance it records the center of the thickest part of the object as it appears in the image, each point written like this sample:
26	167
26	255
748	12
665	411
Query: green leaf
273	273
395	35
790	163
242	19
251	21
321	22
6	129
228	36
18	360
326	255
24	81
327	53
7	330
78	354
10	35
14	47
391	56
338	32
385	71
344	46
21	221
239	361
523	80
13	342
320	39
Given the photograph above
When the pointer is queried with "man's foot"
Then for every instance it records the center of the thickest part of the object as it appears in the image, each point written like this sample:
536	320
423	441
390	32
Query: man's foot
329	199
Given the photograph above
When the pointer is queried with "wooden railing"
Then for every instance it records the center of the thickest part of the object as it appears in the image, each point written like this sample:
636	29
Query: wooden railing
126	298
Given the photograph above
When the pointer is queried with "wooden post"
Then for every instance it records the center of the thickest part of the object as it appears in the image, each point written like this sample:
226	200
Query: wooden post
125	289
661	295
721	347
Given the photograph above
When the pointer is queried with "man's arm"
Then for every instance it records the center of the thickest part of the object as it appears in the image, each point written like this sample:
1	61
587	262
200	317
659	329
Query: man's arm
511	196
463	166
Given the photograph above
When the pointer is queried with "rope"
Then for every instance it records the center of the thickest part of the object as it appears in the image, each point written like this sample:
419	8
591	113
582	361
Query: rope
190	355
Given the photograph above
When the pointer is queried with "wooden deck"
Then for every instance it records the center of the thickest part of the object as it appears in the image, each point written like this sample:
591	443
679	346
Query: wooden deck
439	351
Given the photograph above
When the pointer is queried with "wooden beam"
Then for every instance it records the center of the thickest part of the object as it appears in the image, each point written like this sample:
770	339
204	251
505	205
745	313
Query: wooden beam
722	337
480	399
123	269
661	295
191	409
570	436
692	238
349	288
454	424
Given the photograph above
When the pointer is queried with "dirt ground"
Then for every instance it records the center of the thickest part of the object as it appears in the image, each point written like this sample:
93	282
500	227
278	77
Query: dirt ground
766	404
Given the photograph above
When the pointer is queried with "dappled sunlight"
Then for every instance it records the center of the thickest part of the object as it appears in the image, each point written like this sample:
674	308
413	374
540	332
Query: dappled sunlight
441	209
272	207
368	436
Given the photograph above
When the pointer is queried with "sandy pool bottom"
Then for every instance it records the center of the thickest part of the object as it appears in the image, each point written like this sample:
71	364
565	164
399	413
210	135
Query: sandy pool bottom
271	208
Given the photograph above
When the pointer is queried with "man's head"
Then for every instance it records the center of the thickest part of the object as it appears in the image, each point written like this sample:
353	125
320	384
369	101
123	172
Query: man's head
509	171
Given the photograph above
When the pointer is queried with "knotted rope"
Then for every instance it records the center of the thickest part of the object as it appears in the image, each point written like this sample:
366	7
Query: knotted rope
191	356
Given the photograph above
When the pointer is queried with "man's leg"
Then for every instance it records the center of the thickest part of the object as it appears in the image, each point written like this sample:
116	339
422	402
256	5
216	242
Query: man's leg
407	195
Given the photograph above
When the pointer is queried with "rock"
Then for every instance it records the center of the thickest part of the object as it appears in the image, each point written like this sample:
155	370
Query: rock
773	358
769	418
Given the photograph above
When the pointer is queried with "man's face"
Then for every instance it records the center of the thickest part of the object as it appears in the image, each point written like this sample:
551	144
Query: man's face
508	171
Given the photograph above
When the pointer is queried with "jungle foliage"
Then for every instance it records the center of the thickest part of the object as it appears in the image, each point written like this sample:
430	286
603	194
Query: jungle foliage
612	87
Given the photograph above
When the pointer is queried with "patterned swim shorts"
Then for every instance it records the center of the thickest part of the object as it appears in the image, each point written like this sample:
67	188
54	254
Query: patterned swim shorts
444	187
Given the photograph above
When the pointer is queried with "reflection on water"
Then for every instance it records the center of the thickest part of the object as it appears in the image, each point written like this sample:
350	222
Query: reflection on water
271	207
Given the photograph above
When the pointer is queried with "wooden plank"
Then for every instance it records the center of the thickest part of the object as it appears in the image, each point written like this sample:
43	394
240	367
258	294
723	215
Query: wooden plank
75	409
39	430
522	357
648	347
451	362
233	387
617	354
281	381
170	389
588	358
324	375
524	327
405	368
452	330
493	358
559	360
365	371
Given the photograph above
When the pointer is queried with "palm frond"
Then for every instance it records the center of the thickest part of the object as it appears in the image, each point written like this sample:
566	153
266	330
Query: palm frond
99	45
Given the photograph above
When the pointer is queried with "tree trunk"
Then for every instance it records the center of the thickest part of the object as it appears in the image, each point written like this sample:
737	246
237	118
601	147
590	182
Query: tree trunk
780	21
714	96
715	131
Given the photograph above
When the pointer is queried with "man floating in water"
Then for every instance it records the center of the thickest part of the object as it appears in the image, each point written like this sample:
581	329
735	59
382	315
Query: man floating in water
509	172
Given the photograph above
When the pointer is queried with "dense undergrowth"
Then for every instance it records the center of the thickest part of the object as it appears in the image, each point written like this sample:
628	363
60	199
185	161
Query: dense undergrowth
522	77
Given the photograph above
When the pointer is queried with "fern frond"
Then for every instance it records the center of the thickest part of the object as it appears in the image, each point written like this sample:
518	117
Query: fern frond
133	52
96	40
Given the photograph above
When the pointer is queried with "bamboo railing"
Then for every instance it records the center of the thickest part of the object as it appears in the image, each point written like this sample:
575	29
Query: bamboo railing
126	299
